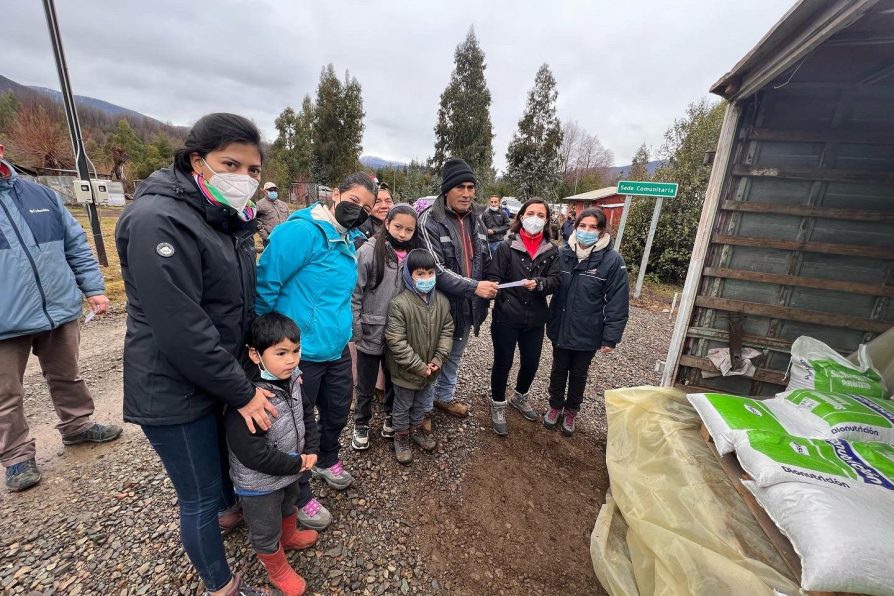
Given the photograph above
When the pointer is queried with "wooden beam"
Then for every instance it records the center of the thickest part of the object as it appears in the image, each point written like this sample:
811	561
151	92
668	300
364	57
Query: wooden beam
829	248
819	135
793	314
801	282
810	211
821	174
764	375
702	243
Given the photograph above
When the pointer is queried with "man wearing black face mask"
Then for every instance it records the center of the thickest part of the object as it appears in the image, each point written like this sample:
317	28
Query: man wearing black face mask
308	273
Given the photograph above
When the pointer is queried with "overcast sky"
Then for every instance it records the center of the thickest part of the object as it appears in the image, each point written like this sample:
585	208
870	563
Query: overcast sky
625	70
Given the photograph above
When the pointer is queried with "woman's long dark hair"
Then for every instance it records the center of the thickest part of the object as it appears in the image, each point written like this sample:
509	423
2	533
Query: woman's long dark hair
547	234
381	254
213	132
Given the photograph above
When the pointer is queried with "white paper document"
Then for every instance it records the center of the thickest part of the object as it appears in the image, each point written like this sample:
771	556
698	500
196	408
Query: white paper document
513	284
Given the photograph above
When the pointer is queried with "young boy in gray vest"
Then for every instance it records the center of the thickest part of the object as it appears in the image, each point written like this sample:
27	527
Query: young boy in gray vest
418	337
265	465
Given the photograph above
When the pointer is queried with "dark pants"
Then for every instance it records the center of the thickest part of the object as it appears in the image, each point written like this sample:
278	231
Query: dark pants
264	515
569	366
367	375
328	386
409	408
195	456
530	344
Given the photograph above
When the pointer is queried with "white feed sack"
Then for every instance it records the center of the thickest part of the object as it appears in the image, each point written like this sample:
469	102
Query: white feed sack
771	458
815	365
845	538
824	415
728	416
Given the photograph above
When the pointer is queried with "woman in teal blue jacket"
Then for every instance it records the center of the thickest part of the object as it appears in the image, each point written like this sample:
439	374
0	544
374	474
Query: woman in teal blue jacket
308	273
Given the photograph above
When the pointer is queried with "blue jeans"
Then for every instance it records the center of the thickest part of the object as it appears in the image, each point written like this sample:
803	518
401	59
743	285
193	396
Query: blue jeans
493	246
195	457
445	386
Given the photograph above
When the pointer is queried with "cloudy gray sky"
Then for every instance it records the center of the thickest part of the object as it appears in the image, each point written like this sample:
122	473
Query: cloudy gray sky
625	70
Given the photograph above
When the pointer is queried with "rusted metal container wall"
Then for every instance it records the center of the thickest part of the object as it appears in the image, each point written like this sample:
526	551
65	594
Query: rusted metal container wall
803	242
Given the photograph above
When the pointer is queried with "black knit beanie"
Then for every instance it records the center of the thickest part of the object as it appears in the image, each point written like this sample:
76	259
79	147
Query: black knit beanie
454	173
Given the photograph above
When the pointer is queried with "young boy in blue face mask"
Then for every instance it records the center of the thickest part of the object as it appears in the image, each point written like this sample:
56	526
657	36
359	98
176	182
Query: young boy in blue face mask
265	465
418	338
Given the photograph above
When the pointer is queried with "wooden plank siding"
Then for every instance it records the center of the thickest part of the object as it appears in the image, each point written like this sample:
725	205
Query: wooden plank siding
800	242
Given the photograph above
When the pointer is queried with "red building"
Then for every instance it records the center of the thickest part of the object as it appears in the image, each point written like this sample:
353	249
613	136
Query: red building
606	198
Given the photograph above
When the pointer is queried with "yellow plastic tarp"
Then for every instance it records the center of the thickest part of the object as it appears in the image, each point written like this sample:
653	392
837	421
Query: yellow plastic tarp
672	523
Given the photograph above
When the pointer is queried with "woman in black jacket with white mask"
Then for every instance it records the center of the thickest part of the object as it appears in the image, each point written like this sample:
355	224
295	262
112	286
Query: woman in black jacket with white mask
520	313
587	314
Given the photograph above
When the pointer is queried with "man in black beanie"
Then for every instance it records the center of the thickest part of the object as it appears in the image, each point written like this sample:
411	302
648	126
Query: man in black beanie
453	233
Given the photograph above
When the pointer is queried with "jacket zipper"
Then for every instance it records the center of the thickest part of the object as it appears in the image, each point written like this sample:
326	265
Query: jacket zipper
236	246
43	296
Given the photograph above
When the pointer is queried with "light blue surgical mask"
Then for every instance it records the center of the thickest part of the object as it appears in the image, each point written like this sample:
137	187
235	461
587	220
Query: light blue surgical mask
272	195
425	285
586	237
266	374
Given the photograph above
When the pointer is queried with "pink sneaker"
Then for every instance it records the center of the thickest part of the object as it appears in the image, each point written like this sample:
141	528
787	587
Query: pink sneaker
335	476
314	516
568	423
551	418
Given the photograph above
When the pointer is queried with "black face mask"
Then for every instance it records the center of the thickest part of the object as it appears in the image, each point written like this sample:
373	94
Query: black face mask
397	243
350	215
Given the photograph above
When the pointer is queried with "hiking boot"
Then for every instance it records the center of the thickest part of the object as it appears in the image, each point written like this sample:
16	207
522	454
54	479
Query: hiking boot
568	423
22	475
292	538
98	433
360	439
519	401
426	422
230	519
314	516
454	408
335	476
388	428
551	418
402	447
240	589
498	417
281	573
423	439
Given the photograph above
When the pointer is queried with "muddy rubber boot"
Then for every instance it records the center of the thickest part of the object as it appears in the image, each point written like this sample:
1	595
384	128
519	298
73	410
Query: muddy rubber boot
295	539
281	573
498	417
426	422
519	401
402	447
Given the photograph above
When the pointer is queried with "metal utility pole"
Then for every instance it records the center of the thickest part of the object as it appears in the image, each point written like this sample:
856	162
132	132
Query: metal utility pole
74	128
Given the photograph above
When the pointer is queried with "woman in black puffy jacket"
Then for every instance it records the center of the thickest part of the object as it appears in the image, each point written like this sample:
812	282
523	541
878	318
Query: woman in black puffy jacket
587	314
520	313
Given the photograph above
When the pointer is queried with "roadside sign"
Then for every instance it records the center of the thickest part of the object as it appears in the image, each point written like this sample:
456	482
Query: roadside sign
667	190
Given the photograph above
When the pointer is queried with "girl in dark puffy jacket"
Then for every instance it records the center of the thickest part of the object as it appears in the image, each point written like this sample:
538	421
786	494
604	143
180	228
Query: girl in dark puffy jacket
520	313
587	314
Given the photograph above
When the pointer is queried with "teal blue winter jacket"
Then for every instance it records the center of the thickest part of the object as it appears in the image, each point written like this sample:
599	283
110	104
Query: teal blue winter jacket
308	272
46	265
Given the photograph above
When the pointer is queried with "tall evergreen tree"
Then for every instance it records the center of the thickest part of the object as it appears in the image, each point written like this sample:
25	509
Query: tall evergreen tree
639	168
337	127
464	128
292	147
534	161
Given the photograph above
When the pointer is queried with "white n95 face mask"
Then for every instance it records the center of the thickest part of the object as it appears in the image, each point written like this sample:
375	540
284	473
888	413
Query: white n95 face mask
533	225
236	189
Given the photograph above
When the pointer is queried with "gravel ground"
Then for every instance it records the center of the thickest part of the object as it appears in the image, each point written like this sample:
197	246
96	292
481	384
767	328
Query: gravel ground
480	515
